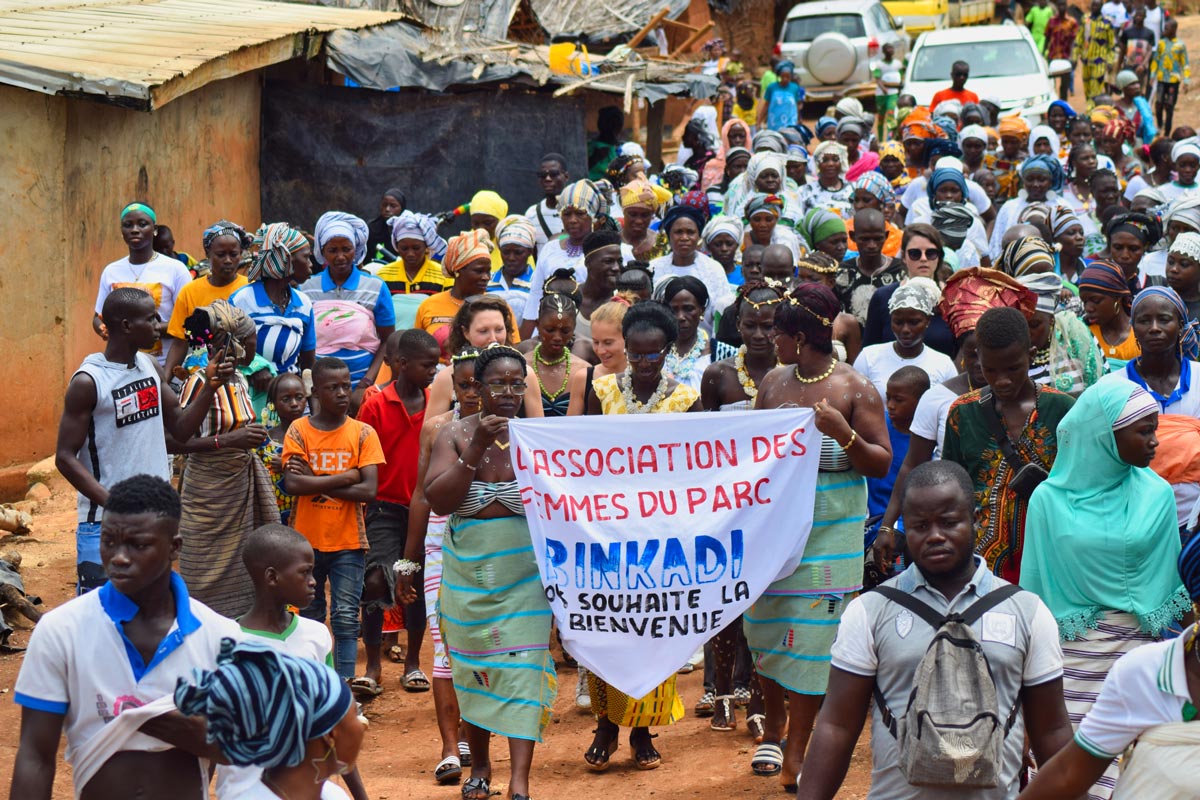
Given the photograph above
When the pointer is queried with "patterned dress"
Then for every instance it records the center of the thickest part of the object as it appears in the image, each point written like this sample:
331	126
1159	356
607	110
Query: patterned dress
1096	52
1000	512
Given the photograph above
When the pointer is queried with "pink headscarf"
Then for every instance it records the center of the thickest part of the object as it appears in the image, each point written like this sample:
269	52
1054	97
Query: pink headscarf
714	170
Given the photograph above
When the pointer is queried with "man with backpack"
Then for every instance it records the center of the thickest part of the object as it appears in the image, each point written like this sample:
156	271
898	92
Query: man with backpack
951	653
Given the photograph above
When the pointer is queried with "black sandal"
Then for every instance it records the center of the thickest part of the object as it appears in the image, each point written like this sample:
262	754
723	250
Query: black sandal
597	757
644	754
471	788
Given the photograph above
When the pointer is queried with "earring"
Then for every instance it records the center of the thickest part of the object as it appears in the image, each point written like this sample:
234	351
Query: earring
339	767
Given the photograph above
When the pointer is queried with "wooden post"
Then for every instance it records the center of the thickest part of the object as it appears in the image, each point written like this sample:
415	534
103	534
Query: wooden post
691	40
654	133
649	26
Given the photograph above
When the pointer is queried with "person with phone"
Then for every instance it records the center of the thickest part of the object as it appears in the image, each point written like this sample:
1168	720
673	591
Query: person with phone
1004	434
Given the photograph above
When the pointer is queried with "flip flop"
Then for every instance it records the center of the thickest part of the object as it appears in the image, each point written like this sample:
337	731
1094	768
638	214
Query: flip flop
397	653
768	760
415	681
448	770
464	753
366	687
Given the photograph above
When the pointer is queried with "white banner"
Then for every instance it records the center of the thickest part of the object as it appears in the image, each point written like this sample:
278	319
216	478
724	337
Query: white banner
654	532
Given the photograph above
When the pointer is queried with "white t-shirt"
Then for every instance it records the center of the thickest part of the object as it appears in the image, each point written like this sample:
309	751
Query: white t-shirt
162	277
878	362
710	273
1145	687
554	257
975	195
553	222
929	420
304	638
1115	13
78	664
259	791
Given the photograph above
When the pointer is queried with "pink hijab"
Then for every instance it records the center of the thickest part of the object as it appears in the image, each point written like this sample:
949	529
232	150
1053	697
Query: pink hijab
714	170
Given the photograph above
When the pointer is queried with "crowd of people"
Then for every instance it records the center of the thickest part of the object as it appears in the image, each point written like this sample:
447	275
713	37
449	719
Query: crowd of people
994	325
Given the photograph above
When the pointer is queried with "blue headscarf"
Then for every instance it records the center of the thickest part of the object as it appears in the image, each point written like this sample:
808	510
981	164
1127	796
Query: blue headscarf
939	148
1189	567
1189	337
1066	108
948	125
264	706
785	66
945	175
824	124
411	225
1048	164
333	224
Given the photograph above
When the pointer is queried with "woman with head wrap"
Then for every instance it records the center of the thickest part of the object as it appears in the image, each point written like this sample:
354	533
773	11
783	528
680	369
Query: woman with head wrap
1066	230
734	133
682	226
963	233
826	129
873	190
762	215
1180	216
1102	543
580	204
415	274
1130	234
516	240
224	243
1111	140
1058	114
292	717
911	307
854	446
287	329
1041	181
469	262
1183	270
1146	709
640	202
892	164
722	237
353	309
1006	162
781	103
1106	305
1043	141
226	491
1186	157
830	191
379	242
698	142
1066	355
972	139
851	133
826	232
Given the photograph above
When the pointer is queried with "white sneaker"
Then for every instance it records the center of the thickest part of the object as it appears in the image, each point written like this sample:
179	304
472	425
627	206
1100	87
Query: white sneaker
583	700
696	660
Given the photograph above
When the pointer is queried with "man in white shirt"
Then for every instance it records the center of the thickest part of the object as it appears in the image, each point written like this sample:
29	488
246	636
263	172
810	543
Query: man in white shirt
880	644
110	652
1116	13
552	177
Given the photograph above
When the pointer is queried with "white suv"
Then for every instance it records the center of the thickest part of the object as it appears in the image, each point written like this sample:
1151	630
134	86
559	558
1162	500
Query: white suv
833	42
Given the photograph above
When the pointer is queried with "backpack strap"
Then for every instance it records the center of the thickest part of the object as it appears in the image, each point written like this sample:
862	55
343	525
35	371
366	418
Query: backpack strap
542	221
922	610
987	603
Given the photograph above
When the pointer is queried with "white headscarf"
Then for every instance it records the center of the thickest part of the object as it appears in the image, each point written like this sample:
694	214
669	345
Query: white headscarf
333	224
1045	132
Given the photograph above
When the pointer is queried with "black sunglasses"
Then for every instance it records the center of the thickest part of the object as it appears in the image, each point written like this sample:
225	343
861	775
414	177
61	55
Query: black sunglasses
549	173
914	254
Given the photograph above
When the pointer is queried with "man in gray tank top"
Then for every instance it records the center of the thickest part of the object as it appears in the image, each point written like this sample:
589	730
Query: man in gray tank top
116	415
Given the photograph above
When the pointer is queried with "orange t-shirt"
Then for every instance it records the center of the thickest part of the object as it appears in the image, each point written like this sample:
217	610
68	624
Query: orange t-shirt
963	96
330	524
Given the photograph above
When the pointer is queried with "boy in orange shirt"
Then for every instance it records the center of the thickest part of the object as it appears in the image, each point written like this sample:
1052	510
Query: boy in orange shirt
330	464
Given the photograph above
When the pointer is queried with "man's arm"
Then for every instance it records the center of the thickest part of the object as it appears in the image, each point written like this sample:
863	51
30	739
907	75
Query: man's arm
838	727
182	423
364	490
1069	774
37	754
189	734
72	433
1046	720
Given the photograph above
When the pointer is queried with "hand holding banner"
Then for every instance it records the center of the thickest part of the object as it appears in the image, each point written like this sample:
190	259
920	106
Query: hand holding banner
653	533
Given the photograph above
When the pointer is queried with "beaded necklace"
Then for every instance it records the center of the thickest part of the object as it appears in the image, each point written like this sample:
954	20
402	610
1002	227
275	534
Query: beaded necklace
632	405
537	359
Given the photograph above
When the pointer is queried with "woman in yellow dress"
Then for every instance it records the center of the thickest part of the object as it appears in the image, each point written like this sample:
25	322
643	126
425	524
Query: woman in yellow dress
650	331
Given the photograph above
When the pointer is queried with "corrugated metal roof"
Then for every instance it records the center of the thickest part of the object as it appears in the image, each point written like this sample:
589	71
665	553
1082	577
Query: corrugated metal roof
601	20
144	54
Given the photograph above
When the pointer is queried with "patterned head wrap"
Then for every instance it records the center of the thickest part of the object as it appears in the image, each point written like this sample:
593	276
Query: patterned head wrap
824	124
1186	147
581	195
850	107
1187	244
760	201
143	208
876	184
1047	133
852	124
784	66
216	319
1026	255
1013	126
1185	211
953	221
920	294
948	108
678	212
640	192
948	128
488	202
970	292
1189	331
796	154
1139	406
1102	115
976	132
335	224
943	175
1046	285
1189	567
1124	79
465	248
1141	225
264	706
722	223
1107	278
518	230
1120	129
941	148
276	244
1047	164
893	149
769	141
1061	219
818	225
225	228
831	147
761	162
411	225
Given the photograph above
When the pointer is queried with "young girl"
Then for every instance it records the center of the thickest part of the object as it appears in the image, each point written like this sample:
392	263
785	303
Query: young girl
288	402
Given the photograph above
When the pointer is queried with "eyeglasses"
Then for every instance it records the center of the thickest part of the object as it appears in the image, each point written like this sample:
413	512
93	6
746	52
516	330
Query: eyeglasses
650	358
548	173
914	254
498	389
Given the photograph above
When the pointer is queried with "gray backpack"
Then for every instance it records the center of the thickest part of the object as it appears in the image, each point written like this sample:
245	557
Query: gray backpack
952	733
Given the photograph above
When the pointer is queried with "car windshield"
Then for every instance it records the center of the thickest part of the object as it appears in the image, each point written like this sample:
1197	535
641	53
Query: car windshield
987	59
805	29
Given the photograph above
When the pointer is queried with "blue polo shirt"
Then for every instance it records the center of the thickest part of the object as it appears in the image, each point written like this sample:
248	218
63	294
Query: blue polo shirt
367	291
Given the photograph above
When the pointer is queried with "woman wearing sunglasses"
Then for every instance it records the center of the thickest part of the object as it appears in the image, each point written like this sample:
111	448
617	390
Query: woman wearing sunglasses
923	251
650	331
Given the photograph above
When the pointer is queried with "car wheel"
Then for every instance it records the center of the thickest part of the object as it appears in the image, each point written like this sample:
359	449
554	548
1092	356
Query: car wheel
831	58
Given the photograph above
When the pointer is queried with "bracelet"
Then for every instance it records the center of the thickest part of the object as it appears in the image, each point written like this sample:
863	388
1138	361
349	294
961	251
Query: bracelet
217	439
853	439
471	467
887	529
406	567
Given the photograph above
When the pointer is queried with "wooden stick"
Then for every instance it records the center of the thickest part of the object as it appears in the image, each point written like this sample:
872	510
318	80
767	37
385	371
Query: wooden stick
695	37
649	26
